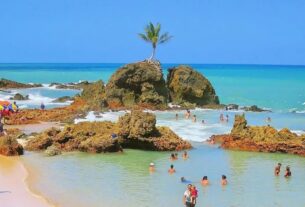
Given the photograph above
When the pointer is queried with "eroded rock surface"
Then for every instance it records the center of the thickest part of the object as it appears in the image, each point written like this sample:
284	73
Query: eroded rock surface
261	139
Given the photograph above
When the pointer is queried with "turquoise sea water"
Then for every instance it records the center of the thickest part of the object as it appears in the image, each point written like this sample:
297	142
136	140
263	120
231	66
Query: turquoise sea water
81	179
280	88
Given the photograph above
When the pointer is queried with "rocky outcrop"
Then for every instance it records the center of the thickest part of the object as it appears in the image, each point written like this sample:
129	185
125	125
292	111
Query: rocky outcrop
140	84
63	99
9	145
75	86
254	108
188	87
261	139
94	96
19	97
138	130
9	84
135	130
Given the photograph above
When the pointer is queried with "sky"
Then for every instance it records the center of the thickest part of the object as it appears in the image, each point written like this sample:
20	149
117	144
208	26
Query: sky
105	31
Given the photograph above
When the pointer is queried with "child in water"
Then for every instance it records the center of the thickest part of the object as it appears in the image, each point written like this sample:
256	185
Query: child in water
194	195
224	180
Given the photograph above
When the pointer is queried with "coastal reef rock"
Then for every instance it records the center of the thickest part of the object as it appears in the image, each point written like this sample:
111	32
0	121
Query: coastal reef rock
75	86
63	99
261	139
254	108
188	87
140	84
138	130
9	145
19	97
8	84
94	95
135	130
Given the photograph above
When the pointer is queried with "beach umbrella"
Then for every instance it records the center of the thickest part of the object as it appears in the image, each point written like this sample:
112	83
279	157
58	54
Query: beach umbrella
5	103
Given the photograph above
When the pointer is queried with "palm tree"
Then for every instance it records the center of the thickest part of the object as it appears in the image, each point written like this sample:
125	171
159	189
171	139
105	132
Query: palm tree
152	35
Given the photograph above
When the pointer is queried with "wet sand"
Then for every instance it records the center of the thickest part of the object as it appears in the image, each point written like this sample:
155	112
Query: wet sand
14	191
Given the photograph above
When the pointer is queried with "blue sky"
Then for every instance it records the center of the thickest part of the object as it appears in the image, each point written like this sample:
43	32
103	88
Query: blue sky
205	31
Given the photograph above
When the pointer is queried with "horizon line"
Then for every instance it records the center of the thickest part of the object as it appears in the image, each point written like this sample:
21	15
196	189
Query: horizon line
166	63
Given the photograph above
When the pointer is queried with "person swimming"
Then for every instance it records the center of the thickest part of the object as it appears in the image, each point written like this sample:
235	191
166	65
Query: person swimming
227	118
152	167
187	114
185	155
173	157
205	180
224	180
202	121
221	118
277	169
177	117
171	170
288	172
194	118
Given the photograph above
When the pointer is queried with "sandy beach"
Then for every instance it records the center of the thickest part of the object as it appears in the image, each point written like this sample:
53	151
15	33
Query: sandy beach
13	189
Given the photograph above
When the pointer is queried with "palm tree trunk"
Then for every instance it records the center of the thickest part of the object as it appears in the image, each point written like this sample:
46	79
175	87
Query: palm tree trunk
153	54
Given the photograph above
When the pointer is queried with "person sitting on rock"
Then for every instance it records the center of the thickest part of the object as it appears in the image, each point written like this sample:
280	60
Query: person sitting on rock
288	172
171	170
224	180
114	135
277	169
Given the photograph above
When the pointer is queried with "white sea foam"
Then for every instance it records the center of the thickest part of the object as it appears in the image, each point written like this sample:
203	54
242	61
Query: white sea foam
298	132
108	116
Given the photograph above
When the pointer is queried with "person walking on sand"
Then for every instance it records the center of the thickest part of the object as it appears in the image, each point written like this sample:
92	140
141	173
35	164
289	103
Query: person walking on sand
187	197
277	169
171	170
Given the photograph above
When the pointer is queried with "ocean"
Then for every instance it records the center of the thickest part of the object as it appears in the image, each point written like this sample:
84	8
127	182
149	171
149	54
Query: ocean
279	88
102	180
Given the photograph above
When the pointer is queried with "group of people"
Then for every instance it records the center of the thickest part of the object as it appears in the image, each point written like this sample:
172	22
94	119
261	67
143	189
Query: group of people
191	194
277	170
188	115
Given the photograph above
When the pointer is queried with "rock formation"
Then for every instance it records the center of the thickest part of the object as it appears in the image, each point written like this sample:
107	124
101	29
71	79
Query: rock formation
138	130
63	99
139	84
261	139
188	87
19	97
8	84
76	86
94	95
135	130
9	145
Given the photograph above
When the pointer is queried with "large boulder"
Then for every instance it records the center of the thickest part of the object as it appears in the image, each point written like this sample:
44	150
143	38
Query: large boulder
138	130
139	84
187	86
9	146
137	124
19	97
94	95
